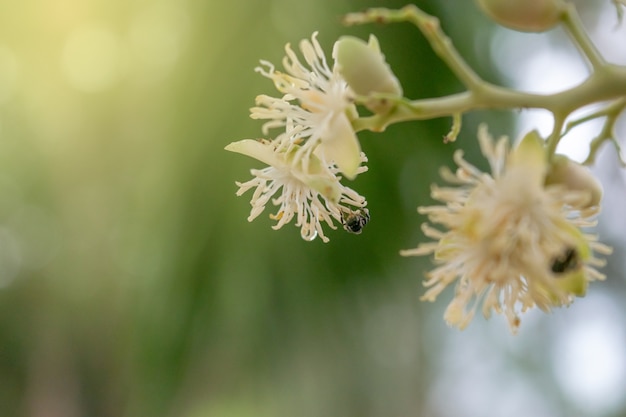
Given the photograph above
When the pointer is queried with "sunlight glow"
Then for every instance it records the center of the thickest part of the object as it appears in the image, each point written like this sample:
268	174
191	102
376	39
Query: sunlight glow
8	74
157	37
91	58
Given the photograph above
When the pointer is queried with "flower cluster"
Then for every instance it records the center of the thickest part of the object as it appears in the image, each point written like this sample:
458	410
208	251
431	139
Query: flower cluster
511	239
317	144
314	110
313	194
507	240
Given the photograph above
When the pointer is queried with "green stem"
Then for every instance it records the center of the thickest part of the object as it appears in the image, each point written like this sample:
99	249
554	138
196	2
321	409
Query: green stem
457	121
574	26
612	113
620	12
613	110
606	84
431	29
555	136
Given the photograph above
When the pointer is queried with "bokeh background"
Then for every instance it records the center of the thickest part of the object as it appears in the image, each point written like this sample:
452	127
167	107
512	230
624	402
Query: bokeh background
132	284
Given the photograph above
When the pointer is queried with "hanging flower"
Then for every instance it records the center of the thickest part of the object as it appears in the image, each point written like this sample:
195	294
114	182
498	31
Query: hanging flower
315	109
508	240
309	190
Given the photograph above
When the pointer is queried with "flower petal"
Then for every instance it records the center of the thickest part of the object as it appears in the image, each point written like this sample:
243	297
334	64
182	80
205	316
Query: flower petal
342	146
255	149
363	66
530	155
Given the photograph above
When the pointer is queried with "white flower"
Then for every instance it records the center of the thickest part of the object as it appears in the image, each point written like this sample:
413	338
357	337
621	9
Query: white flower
315	109
311	192
509	241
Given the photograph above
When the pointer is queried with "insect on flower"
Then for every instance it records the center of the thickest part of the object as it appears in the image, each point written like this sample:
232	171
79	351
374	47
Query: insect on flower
567	262
354	221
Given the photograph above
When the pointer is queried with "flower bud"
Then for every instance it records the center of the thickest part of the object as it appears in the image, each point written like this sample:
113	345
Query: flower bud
573	176
524	15
529	156
363	67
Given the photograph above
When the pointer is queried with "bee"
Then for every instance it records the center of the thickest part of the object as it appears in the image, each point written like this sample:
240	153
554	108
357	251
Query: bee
567	262
354	221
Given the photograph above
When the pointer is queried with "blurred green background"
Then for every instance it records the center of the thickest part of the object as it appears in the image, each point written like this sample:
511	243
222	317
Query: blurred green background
132	284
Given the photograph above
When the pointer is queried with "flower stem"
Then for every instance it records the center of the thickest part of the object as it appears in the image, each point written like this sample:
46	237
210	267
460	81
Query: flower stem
457	121
574	26
612	112
431	29
607	82
555	136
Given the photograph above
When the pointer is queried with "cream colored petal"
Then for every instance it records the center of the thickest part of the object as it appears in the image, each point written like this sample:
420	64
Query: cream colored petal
327	187
255	149
363	66
341	146
575	177
530	156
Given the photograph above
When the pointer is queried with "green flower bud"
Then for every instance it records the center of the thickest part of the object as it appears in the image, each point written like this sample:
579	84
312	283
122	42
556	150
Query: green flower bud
529	156
574	176
365	70
524	15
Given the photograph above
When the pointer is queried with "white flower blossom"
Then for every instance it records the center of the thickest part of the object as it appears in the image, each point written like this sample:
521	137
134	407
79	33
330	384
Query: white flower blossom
315	109
509	241
311	192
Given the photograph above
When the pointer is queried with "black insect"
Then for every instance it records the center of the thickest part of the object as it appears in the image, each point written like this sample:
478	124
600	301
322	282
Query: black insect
568	261
354	221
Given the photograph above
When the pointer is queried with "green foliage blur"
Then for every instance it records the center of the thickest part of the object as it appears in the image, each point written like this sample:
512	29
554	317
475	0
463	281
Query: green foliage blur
132	284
